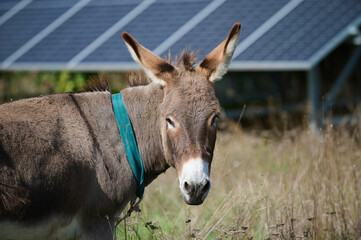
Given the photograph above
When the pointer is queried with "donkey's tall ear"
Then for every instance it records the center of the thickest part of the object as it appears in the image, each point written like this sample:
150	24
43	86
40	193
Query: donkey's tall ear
215	65
157	69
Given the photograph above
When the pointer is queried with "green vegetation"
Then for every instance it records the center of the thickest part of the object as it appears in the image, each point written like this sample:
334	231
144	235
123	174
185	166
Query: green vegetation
295	185
18	85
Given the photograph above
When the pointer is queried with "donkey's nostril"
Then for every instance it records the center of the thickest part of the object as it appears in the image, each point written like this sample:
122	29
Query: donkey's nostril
187	187
206	186
200	188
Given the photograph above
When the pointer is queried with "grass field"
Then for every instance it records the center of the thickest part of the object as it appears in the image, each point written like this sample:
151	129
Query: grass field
289	185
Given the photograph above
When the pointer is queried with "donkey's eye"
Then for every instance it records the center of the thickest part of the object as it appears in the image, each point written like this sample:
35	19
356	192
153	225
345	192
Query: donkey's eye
213	122
170	123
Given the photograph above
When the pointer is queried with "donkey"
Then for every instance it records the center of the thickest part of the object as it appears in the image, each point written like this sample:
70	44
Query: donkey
64	172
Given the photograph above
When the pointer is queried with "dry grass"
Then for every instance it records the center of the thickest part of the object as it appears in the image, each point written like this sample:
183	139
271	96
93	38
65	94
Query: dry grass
299	185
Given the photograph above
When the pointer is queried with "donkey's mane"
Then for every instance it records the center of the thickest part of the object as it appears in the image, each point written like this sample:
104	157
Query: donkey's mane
138	78
98	83
187	59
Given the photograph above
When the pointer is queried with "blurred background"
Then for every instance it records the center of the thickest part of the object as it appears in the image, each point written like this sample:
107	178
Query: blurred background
297	62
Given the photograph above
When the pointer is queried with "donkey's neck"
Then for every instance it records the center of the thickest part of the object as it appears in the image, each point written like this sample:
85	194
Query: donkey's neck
143	106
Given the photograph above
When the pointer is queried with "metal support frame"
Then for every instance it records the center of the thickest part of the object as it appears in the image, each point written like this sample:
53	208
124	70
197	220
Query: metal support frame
313	89
340	81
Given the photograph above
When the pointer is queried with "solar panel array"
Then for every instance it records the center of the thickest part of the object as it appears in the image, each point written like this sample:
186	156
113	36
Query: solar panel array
300	34
86	34
151	28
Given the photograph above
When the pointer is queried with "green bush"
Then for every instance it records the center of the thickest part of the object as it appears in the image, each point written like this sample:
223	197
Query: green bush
18	85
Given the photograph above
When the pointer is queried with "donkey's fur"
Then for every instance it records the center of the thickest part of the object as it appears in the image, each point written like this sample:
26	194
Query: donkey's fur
64	173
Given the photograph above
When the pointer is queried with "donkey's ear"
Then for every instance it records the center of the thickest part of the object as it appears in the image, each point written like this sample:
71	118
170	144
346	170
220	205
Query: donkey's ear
157	69
215	65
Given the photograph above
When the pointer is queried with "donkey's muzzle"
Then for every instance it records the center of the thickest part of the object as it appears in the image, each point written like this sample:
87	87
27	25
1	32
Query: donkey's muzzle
194	181
196	193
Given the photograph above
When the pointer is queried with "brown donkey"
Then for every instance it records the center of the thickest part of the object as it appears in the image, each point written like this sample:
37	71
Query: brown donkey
64	153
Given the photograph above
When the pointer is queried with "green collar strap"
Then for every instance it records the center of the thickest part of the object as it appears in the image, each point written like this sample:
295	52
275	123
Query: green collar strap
128	139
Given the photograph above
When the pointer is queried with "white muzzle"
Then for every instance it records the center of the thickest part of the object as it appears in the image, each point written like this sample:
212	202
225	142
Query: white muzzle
194	181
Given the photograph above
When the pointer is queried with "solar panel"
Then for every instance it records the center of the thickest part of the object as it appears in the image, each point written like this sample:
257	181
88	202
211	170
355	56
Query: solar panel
273	31
300	34
52	4
76	33
7	5
150	28
214	29
26	24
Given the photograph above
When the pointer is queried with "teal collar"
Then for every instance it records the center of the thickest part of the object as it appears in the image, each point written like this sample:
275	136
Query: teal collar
128	139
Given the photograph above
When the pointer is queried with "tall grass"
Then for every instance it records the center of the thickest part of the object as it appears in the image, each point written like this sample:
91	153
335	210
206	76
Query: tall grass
294	185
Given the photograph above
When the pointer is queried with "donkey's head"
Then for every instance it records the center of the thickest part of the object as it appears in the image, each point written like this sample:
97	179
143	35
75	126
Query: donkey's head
189	110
